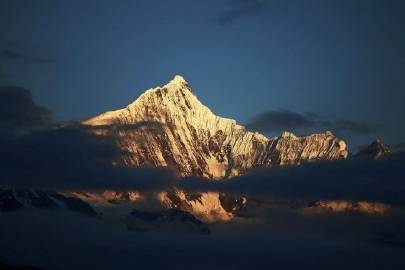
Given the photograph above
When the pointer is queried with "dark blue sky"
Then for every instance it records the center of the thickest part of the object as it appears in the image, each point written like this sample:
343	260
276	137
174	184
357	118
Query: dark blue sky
338	59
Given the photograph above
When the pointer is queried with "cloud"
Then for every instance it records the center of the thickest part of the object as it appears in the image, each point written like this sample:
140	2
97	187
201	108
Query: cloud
348	126
18	112
12	55
282	120
356	179
35	153
73	158
395	147
76	242
237	9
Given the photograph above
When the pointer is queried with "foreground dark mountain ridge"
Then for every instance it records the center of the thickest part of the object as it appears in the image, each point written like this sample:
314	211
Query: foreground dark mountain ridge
168	126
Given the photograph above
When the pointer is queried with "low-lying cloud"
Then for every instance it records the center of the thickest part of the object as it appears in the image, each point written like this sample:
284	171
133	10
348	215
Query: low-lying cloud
18	112
282	120
73	158
36	153
78	242
355	179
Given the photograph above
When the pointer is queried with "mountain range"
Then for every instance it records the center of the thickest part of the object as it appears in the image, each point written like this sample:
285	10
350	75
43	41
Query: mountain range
167	126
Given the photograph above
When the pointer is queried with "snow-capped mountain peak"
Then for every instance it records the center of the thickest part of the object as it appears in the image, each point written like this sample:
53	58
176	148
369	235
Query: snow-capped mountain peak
171	127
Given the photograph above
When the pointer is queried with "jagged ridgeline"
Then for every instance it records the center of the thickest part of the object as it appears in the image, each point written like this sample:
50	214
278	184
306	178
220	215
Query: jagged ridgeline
168	126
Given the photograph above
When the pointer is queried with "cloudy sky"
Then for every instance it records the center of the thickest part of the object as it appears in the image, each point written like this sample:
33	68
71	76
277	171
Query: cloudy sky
306	66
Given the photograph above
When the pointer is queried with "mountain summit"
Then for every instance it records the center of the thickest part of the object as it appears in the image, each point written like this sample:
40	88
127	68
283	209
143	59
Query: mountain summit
168	126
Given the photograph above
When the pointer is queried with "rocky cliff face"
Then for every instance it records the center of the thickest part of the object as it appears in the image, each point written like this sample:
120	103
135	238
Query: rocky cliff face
169	126
208	206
